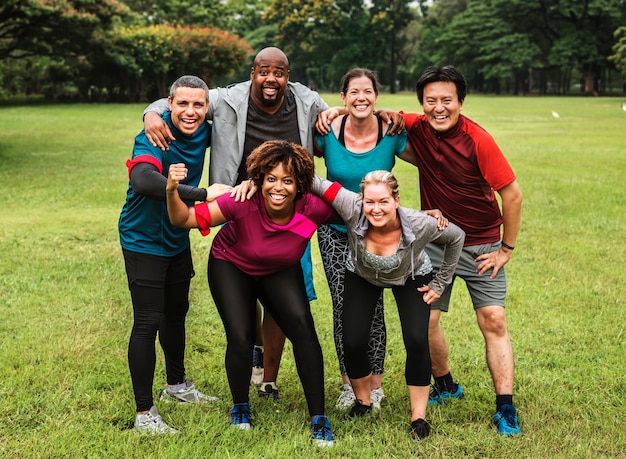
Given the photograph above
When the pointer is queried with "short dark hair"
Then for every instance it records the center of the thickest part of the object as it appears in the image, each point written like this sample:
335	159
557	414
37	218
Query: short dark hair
357	73
295	158
447	74
189	81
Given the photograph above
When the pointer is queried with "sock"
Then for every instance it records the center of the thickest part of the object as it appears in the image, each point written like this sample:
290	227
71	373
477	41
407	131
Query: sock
177	387
445	382
503	400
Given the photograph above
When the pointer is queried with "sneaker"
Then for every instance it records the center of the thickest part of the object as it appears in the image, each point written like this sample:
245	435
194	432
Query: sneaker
346	399
376	396
188	394
257	365
359	409
240	416
420	428
152	423
322	435
438	394
505	421
269	392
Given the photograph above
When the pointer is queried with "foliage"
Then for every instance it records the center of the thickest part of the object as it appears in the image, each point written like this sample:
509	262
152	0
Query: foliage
61	27
158	54
509	38
502	46
619	49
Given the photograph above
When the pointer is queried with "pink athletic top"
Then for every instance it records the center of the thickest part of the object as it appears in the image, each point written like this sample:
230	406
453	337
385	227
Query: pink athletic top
256	245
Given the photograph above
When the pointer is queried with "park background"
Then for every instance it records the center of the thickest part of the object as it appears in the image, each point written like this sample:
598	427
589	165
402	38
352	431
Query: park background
65	312
131	50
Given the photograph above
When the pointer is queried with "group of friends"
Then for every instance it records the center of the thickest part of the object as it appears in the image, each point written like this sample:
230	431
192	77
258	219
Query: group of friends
268	202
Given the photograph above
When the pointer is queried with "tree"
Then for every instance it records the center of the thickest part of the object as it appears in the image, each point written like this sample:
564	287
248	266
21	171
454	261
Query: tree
510	38
54	28
145	57
619	50
389	19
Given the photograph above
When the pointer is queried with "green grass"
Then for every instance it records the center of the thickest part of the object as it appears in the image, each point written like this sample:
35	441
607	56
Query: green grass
65	312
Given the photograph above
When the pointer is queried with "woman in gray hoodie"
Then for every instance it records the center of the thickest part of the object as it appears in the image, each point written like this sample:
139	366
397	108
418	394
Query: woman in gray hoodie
387	250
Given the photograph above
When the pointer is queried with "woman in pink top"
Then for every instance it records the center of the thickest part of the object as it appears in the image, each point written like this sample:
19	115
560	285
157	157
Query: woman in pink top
257	255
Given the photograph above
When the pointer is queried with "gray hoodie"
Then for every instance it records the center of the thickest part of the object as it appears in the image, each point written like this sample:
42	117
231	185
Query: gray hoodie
418	229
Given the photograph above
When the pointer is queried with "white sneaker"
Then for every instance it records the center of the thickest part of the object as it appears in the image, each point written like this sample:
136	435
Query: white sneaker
376	396
257	366
346	399
188	394
152	423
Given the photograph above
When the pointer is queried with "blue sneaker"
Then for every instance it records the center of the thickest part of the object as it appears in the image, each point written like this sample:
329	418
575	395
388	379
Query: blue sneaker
322	435
505	421
240	416
438	395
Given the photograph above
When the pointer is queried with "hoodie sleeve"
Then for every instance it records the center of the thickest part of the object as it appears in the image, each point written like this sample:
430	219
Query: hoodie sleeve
452	238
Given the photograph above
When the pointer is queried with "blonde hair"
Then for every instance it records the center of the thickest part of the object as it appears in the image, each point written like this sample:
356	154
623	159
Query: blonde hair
384	177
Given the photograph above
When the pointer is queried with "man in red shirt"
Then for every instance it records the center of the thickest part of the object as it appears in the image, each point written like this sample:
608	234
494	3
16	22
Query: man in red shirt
460	170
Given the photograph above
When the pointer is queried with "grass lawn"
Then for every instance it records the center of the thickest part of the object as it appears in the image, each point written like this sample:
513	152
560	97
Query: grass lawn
65	312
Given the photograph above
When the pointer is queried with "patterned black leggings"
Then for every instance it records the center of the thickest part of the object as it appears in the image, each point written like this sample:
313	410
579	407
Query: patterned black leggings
334	249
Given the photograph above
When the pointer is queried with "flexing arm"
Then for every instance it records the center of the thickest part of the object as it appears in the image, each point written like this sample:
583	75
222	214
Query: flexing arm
147	181
179	213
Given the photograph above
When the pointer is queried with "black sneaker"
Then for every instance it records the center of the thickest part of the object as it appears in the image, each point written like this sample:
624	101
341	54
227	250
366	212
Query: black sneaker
420	428
359	409
268	392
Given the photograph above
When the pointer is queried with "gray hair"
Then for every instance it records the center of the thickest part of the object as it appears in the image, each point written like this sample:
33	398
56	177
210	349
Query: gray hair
384	177
189	81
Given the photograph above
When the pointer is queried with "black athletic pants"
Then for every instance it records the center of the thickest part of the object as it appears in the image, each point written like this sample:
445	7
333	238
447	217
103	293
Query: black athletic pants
283	294
159	288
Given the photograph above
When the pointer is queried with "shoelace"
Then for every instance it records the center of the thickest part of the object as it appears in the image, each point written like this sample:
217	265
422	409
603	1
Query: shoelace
322	431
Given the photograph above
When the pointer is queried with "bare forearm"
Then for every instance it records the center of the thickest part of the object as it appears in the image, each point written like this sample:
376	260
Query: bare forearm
177	210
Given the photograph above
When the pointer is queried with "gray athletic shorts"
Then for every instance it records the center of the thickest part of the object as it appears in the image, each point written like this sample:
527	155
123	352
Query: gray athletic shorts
483	290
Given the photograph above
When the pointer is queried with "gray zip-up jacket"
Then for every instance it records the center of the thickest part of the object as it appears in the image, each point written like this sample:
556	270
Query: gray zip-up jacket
228	109
418	229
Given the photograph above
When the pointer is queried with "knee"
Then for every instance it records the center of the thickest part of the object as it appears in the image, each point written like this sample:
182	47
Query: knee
492	320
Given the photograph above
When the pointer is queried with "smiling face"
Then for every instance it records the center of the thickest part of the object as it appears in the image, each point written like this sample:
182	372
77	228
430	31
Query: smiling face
379	205
269	76
188	109
441	105
279	191
360	97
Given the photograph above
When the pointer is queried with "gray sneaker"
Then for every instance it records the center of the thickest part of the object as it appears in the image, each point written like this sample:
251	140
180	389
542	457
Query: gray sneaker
346	399
188	394
376	396
152	423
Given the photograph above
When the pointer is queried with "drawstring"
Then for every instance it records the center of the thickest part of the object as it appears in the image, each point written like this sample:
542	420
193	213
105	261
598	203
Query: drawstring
412	262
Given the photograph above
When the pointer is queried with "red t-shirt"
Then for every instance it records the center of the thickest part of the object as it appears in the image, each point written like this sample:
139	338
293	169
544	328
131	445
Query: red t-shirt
458	172
256	245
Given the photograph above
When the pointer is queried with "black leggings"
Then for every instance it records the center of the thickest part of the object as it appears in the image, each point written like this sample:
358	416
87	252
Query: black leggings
283	294
159	288
360	299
